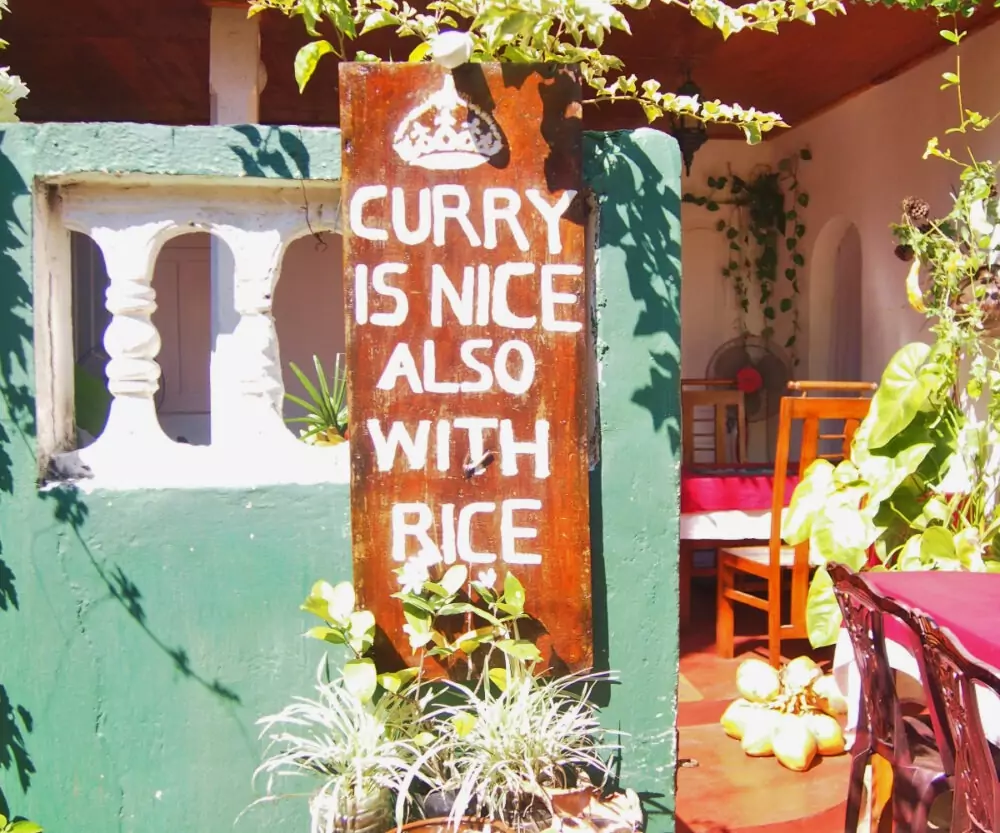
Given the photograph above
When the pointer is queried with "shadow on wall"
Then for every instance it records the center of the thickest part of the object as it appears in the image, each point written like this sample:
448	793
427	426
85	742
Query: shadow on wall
638	221
272	152
17	425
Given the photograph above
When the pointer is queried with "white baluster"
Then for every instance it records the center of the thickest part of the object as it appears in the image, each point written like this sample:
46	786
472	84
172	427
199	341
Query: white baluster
131	340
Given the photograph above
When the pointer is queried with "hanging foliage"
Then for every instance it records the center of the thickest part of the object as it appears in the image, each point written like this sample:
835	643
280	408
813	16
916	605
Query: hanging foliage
763	227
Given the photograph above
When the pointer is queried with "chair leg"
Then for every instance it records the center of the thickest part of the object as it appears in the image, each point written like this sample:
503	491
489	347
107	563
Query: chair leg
724	614
686	557
774	622
855	791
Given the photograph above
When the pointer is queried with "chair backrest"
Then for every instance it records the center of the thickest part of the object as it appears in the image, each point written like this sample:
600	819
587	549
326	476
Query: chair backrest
844	414
956	674
864	614
811	386
697	427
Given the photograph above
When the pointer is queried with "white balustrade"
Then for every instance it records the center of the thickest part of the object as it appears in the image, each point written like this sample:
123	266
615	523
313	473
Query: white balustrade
250	442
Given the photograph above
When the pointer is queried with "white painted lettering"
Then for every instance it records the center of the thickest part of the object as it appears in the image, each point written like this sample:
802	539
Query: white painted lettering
461	304
361	293
483	295
400	363
364	195
485	380
510	449
493	213
504	378
431	384
459	212
443	445
448	545
465	550
399	227
550	298
509	533
399	439
501	307
476	426
402	529
379	284
551	214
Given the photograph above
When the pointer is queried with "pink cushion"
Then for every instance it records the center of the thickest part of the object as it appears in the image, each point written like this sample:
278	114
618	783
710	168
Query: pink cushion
707	488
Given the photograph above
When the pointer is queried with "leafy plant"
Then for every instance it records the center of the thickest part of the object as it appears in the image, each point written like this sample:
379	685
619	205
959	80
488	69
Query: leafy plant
763	229
499	737
559	31
326	407
18	825
915	494
503	749
356	749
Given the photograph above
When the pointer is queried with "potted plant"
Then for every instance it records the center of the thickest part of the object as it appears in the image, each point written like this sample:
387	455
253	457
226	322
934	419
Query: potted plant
325	417
352	750
498	741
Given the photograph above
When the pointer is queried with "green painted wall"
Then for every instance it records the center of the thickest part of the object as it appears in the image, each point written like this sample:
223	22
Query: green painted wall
143	633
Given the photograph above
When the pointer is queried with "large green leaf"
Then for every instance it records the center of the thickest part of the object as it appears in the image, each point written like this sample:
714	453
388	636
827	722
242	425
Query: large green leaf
361	630
361	678
902	392
807	501
844	531
885	474
521	649
307	58
823	617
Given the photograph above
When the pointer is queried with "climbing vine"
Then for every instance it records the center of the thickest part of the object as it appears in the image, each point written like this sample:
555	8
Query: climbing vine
763	227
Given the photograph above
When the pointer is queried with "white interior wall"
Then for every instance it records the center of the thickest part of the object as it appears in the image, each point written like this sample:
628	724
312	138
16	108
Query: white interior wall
866	158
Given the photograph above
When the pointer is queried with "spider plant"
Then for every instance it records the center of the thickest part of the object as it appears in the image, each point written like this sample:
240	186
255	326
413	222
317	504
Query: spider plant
502	749
352	751
326	408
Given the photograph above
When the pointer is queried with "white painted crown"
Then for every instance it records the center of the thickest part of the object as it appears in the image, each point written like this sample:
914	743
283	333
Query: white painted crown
447	133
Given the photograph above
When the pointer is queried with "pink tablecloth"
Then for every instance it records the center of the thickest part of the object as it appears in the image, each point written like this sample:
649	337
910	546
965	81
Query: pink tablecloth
708	488
965	603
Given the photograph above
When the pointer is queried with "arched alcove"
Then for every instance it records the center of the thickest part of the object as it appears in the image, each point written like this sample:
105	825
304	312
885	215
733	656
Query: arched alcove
308	309
91	399
835	335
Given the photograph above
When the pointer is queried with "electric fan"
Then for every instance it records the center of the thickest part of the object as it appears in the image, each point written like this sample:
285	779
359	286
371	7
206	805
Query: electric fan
760	371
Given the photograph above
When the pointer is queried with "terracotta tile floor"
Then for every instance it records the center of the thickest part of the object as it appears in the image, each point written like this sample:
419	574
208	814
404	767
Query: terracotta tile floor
728	792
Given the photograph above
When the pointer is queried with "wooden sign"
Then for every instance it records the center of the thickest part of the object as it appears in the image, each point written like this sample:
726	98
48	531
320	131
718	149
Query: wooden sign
467	312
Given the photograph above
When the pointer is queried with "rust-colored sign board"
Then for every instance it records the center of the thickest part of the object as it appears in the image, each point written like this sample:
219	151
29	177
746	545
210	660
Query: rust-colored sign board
467	312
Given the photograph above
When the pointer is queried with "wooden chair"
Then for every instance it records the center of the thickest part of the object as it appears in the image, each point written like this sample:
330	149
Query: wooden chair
957	675
917	748
857	388
697	397
769	561
720	396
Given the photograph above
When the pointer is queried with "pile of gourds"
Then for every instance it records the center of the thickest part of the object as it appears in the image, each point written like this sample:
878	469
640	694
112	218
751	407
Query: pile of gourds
790	714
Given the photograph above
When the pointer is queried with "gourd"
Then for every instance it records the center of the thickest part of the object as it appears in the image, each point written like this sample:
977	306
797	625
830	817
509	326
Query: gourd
736	716
757	681
794	745
827	732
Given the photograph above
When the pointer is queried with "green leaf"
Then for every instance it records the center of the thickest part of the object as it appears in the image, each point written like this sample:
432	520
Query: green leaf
521	649
379	19
464	723
823	617
803	200
498	676
361	678
420	51
335	636
454	579
307	58
362	630
808	499
950	36
805	154
769	313
937	547
720	225
786	304
25	826
712	205
394	681
798	259
902	392
513	595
